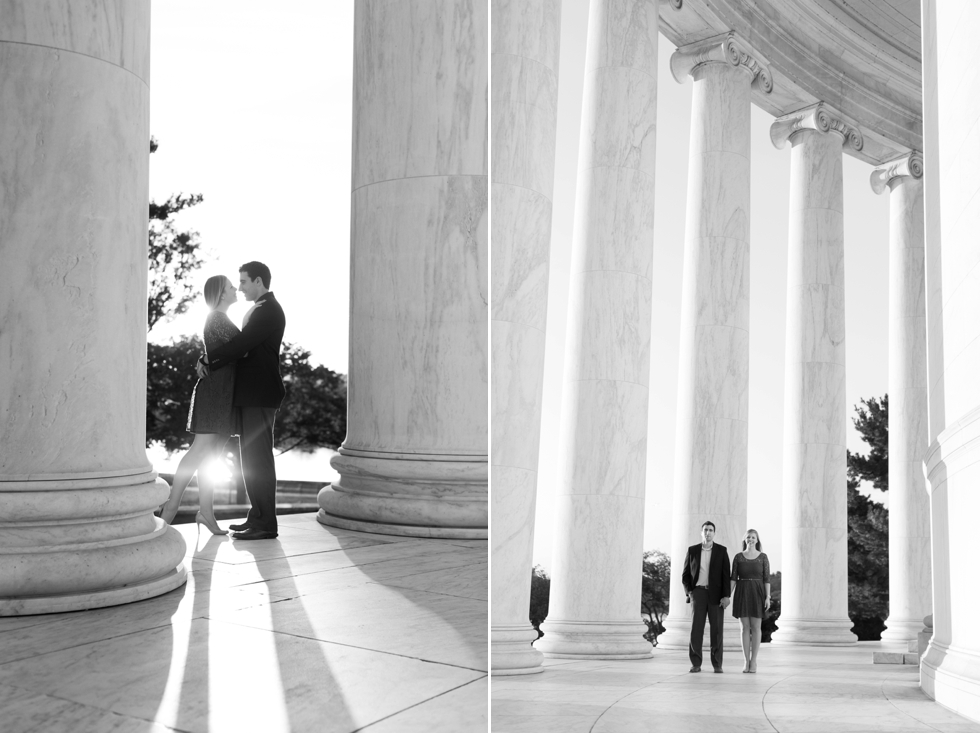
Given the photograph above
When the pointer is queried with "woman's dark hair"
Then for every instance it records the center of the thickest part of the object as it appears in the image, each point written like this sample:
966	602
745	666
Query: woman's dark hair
758	542
213	289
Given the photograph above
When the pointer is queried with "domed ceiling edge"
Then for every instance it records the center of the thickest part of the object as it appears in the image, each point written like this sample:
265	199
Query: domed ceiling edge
861	57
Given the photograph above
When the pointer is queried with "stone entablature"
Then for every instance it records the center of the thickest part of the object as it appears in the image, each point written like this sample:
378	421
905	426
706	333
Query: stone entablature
823	51
819	117
726	48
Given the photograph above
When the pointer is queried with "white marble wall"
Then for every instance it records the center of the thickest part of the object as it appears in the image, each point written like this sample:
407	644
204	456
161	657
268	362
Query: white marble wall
525	37
711	458
414	460
949	669
814	591
76	490
597	558
909	558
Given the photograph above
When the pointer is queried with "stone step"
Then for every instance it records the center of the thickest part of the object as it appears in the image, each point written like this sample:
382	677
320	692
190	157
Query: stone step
894	658
888	657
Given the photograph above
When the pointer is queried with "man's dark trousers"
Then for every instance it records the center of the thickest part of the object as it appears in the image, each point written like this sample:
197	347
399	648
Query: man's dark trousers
259	467
716	619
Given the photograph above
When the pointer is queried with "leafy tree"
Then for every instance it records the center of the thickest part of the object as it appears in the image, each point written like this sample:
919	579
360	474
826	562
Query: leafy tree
655	601
313	414
872	423
170	380
540	591
775	606
867	524
172	255
315	408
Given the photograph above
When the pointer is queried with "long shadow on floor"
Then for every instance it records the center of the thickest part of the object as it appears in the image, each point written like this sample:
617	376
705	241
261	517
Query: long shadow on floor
312	694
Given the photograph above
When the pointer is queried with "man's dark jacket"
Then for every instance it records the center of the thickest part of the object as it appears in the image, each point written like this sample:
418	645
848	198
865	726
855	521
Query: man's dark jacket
257	379
719	572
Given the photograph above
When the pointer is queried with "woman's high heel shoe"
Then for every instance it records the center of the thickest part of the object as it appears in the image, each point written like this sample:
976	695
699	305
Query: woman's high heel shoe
210	524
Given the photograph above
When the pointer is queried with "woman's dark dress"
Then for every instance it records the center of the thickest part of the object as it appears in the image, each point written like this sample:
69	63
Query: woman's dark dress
212	409
750	591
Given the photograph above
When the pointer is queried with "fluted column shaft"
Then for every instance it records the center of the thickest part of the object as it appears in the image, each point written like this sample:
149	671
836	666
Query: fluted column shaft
598	552
909	556
814	590
414	461
524	60
77	492
711	459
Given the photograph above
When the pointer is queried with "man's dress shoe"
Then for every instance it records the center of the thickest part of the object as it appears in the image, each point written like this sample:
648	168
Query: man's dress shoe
254	534
719	670
239	527
694	669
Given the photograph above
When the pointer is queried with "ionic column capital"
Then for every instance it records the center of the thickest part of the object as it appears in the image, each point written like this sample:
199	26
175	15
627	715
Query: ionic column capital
726	48
819	117
908	165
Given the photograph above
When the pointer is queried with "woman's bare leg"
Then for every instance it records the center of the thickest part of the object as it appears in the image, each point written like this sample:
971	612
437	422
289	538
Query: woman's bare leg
205	484
756	639
201	449
746	641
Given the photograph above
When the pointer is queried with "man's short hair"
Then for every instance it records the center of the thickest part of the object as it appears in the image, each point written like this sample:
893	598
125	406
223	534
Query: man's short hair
257	269
707	523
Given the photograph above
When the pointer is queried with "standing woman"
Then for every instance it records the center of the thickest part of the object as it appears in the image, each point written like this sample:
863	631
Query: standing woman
750	586
212	417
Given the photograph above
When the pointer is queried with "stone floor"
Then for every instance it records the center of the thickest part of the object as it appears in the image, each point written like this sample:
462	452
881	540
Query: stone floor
320	630
796	690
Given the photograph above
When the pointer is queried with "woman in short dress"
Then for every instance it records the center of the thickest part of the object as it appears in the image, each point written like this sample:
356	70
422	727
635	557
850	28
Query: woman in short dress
213	418
750	588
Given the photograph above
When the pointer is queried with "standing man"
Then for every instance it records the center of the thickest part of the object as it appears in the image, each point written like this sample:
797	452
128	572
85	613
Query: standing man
259	393
706	579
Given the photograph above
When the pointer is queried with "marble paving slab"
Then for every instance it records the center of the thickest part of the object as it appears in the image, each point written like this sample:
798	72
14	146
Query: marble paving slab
432	626
340	638
796	690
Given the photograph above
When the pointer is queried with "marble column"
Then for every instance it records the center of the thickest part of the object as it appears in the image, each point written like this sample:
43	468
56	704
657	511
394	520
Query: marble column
814	592
594	609
711	463
909	559
77	493
525	37
949	670
414	462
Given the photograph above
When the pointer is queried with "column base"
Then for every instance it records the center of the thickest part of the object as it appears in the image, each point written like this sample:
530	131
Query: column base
77	543
399	530
814	632
678	634
901	629
951	677
511	652
34	605
407	495
594	640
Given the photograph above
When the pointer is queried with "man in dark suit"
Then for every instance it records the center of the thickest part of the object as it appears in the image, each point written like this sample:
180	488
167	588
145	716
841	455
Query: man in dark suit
707	581
259	393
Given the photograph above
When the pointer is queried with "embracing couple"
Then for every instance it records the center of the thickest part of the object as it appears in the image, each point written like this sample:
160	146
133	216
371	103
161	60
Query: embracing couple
710	584
238	393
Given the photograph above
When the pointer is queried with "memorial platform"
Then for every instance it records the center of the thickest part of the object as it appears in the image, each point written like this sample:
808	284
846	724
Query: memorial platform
321	629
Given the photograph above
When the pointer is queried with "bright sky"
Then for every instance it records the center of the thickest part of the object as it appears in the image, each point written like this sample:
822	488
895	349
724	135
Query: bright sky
251	105
866	268
252	108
